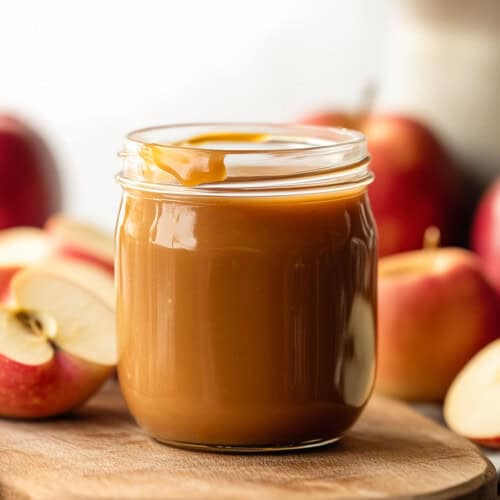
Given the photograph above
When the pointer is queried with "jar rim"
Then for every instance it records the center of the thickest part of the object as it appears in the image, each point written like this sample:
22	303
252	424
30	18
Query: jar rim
302	157
336	136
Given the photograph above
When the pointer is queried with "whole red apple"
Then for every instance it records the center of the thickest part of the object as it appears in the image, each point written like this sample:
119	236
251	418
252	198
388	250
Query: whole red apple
486	233
416	185
29	182
436	310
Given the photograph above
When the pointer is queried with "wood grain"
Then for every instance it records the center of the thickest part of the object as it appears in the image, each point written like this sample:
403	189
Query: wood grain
99	453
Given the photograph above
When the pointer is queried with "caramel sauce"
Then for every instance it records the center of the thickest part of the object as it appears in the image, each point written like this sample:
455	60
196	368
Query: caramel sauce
191	166
246	322
219	137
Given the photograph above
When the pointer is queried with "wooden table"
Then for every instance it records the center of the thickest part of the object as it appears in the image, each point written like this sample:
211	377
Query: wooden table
99	453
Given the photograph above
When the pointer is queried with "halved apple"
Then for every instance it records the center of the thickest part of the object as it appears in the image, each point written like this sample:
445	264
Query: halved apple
21	247
57	345
77	240
472	405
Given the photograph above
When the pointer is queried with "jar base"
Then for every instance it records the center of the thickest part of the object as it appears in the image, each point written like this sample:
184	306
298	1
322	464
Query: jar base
249	449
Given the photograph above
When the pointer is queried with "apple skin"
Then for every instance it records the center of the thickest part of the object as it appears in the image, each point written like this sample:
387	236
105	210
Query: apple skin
58	386
65	247
431	324
70	252
416	185
493	443
29	182
6	275
486	233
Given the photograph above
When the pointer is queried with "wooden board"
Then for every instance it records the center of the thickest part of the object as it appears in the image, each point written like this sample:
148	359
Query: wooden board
99	453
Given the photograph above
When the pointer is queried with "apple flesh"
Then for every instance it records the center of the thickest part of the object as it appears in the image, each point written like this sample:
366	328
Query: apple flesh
416	185
436	310
472	405
29	182
77	240
20	247
486	233
57	345
84	274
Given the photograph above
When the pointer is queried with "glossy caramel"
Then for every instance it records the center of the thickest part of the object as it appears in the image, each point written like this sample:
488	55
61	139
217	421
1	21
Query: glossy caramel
192	166
246	321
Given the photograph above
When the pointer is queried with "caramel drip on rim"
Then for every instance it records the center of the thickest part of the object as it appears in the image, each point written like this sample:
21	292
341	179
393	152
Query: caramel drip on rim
224	137
192	167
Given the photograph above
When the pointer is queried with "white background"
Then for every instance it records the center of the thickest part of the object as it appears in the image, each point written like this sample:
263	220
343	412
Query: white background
87	72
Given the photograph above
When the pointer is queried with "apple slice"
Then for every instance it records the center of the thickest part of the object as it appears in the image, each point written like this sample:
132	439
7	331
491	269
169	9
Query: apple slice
472	405
57	346
77	240
21	247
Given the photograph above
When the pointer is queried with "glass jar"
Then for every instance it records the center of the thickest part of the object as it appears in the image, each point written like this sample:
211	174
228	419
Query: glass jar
246	304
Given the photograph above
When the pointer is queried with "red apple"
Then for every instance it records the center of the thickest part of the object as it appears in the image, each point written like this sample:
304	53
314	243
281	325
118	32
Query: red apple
486	233
57	343
436	310
29	182
77	240
416	185
472	405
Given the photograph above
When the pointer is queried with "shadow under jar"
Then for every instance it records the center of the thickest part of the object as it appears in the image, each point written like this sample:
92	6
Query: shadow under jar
246	284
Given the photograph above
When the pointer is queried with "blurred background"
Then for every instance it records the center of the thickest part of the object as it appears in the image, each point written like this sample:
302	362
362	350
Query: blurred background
85	73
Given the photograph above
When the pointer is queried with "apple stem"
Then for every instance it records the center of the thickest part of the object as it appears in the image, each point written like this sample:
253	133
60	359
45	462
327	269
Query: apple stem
432	238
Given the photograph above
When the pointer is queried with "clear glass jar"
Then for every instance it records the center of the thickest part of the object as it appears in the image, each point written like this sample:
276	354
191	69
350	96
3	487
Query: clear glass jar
246	307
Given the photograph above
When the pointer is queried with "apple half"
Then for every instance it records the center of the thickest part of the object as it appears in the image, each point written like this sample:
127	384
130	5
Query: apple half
472	405
77	240
57	344
21	247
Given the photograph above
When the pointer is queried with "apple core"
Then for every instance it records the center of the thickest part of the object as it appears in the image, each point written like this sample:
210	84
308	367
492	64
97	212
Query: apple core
37	323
